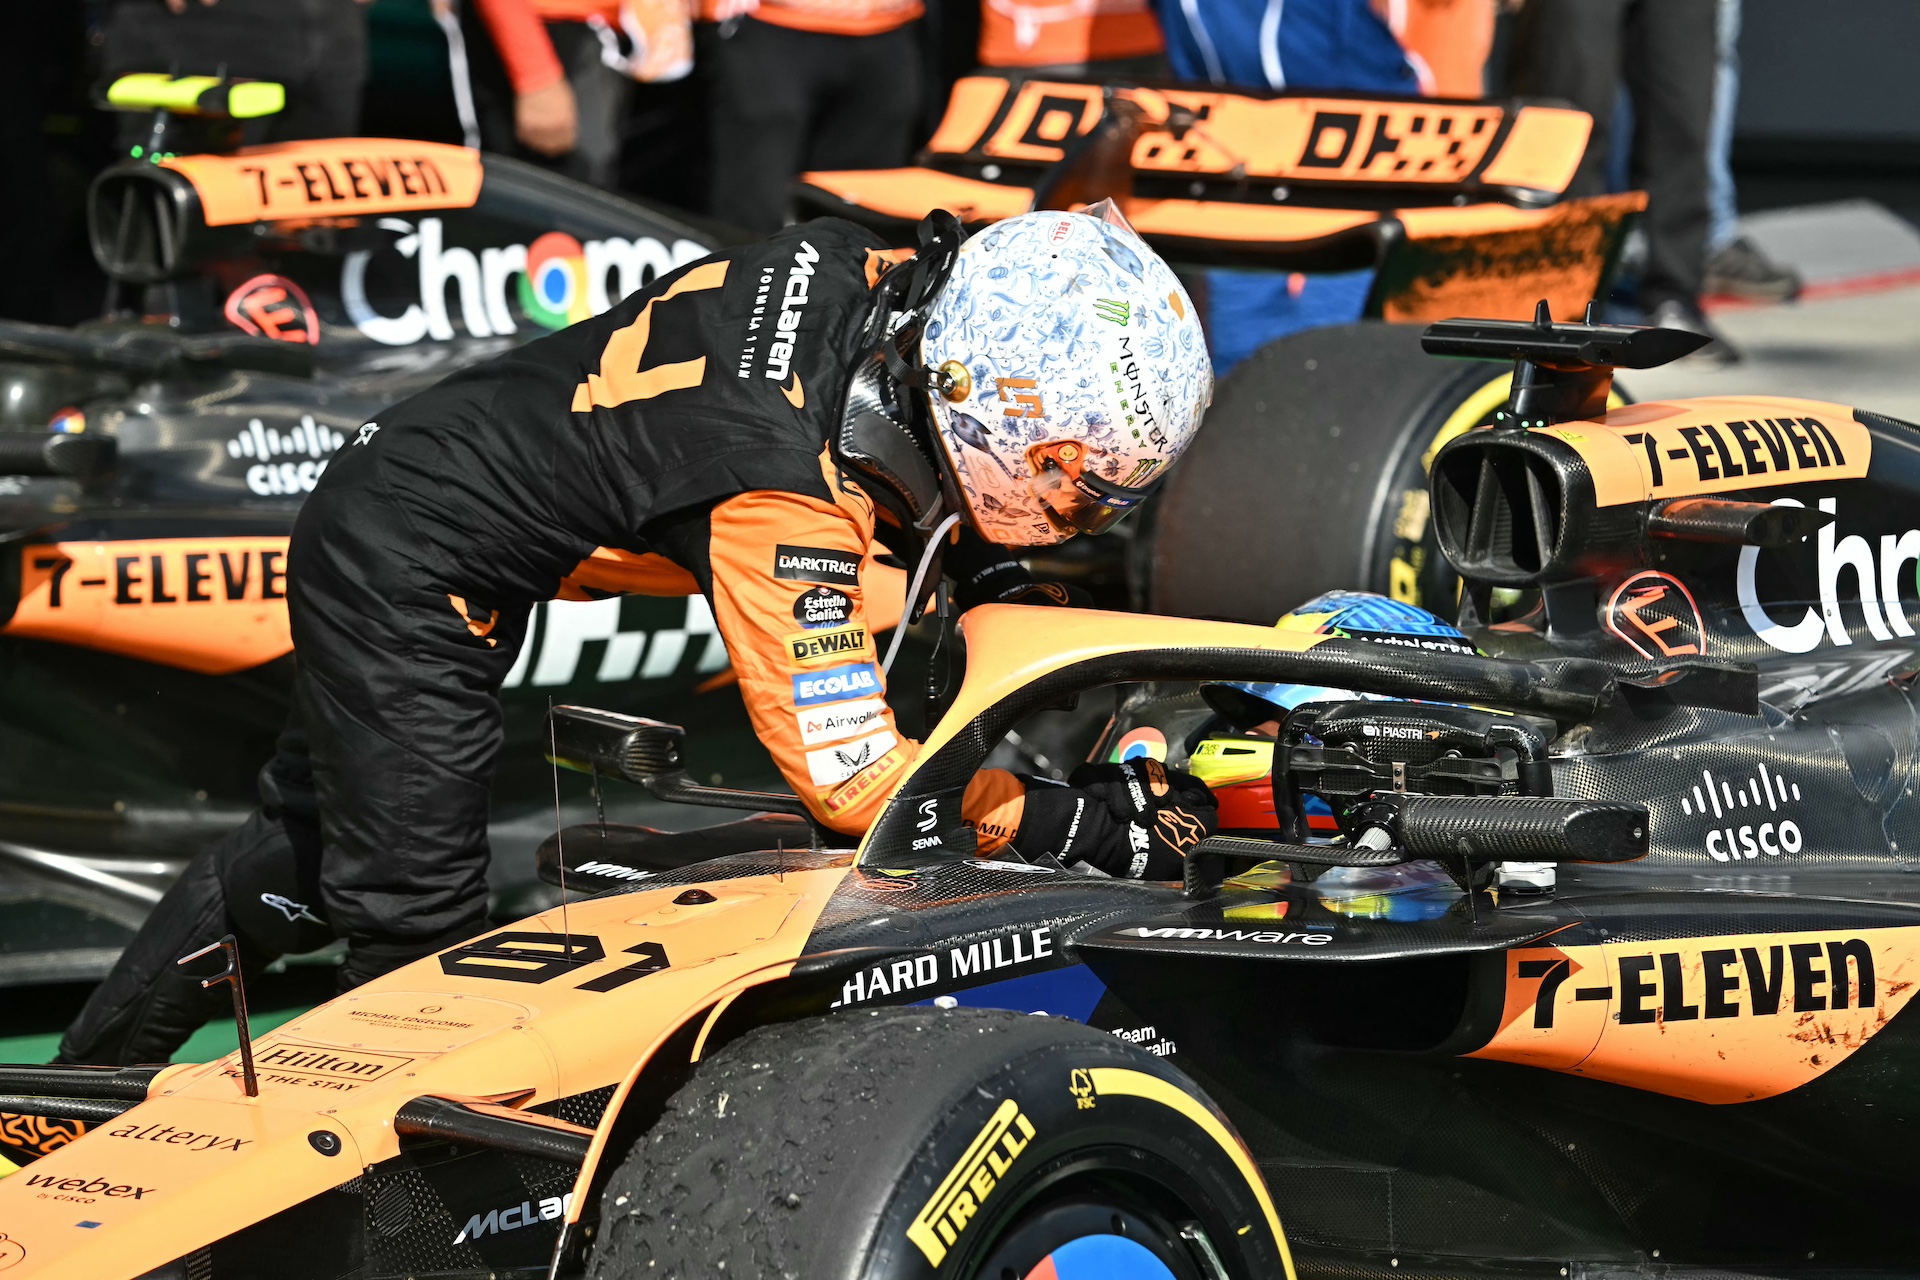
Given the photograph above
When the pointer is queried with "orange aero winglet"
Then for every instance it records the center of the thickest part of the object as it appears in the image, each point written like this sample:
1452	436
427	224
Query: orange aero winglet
330	178
211	605
1717	1020
1687	448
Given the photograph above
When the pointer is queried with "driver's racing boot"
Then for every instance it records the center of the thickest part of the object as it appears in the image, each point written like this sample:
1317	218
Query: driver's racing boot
256	883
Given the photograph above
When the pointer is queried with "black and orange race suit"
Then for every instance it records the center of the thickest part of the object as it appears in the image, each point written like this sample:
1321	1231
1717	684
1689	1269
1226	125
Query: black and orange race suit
674	443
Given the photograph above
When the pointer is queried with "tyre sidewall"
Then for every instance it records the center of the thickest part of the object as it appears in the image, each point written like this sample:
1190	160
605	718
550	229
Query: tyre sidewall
1021	1129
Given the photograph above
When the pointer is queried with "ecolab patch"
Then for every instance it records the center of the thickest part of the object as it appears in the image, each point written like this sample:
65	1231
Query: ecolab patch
831	766
804	648
836	684
816	564
822	607
831	724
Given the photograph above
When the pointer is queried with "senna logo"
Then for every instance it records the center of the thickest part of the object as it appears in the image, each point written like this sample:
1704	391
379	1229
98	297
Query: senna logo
808	647
962	1193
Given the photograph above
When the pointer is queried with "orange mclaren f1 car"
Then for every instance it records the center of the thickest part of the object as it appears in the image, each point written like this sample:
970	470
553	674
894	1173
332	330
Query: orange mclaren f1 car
750	1051
266	302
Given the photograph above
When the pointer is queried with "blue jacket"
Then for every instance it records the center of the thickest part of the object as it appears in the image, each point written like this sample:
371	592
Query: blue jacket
1284	44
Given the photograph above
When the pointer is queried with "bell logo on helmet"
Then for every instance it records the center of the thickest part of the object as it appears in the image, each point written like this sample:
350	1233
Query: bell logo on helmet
1040	299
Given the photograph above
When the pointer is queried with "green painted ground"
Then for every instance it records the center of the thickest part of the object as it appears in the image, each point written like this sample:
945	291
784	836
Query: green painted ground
37	1015
32	1018
215	1040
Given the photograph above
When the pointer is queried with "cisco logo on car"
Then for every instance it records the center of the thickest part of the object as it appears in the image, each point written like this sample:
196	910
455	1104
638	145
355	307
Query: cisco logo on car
1766	794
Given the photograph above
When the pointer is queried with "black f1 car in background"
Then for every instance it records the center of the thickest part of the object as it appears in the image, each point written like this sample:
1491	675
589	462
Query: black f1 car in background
264	306
1690	1058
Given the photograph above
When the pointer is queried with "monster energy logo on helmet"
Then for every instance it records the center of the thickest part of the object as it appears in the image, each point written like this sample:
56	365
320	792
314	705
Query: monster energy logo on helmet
1113	309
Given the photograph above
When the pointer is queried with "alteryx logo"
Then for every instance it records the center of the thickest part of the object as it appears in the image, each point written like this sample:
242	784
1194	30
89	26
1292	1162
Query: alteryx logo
836	685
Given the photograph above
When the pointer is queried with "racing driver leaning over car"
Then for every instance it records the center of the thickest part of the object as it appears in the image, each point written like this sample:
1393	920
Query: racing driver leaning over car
750	427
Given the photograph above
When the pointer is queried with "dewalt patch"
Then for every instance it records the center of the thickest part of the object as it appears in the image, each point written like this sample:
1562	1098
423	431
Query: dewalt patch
805	648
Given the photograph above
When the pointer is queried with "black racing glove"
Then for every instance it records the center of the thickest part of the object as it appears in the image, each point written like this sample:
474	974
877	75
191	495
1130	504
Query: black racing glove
985	573
1136	820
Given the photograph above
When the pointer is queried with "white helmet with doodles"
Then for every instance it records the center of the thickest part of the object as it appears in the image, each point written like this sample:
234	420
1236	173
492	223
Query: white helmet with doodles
1072	373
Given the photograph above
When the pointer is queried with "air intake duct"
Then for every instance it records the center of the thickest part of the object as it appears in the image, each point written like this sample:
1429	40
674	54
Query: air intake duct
1517	509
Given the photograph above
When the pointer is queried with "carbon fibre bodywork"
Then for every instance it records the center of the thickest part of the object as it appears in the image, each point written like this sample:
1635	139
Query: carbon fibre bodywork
1676	1066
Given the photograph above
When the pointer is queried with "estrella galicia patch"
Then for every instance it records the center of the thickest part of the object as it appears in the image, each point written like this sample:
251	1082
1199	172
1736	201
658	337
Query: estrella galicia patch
822	607
816	564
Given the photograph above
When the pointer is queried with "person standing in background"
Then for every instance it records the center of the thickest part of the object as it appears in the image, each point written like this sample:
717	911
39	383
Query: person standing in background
1736	266
1117	39
1268	44
551	79
804	84
1446	42
1664	51
317	49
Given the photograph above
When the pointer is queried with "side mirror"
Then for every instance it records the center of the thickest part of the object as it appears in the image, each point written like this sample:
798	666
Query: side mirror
43	453
649	753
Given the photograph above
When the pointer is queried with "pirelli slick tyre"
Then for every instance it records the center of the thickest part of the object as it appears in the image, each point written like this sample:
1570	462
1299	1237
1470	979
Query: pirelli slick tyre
909	1144
1311	474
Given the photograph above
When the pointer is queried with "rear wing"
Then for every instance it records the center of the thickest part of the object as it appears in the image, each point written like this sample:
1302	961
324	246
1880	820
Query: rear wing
1457	203
1314	142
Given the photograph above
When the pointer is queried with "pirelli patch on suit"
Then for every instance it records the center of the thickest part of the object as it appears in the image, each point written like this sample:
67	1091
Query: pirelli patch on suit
806	648
816	564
